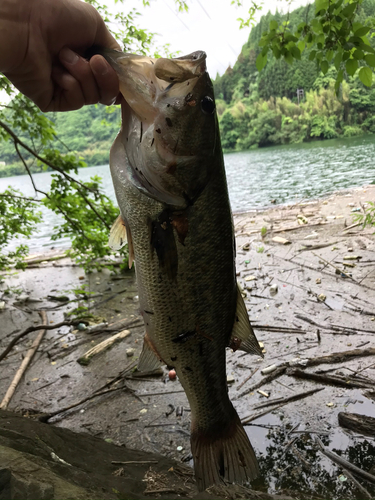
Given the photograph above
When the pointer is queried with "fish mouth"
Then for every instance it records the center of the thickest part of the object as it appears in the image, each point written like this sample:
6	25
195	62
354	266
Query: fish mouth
143	79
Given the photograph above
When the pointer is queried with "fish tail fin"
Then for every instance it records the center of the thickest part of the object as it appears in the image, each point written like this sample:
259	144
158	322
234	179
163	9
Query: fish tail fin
223	453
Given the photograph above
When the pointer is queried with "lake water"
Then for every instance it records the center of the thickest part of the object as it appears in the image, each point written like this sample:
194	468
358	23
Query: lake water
282	173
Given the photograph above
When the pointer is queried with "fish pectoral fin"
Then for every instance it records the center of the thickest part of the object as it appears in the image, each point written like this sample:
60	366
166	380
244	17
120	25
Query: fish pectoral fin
120	235
243	336
149	359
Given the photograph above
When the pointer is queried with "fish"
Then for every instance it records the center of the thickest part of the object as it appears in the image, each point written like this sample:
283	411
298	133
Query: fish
168	173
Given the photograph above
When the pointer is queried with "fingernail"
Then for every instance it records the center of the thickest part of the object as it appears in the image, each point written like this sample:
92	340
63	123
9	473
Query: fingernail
100	67
68	56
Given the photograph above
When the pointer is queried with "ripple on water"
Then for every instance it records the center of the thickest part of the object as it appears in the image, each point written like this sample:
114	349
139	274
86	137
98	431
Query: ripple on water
282	173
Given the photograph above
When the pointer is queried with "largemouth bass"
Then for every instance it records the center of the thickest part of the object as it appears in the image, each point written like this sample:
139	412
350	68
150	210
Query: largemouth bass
168	173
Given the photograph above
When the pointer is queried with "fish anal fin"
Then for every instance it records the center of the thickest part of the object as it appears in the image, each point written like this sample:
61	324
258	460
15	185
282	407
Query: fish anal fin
223	453
149	359
119	235
243	336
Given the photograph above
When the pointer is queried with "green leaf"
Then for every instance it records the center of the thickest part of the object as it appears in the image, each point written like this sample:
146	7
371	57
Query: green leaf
329	55
312	55
288	57
362	31
324	66
301	45
296	53
370	59
348	11
365	75
321	5
337	60
261	61
358	54
351	66
274	25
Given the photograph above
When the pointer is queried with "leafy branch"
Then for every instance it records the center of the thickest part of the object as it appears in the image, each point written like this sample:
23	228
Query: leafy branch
334	35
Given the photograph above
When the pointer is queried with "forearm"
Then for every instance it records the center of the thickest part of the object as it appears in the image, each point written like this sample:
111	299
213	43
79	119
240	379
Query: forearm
14	28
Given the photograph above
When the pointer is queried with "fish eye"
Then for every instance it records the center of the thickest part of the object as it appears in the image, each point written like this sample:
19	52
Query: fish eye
208	105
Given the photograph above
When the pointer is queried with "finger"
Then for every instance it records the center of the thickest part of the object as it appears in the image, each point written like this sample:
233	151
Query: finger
68	94
106	79
80	69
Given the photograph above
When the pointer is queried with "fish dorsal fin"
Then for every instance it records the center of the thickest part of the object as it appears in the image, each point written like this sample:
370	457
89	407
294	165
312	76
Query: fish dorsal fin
120	235
149	359
243	336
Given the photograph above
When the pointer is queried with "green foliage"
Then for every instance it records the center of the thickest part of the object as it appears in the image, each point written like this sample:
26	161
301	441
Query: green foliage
32	142
368	218
339	31
19	216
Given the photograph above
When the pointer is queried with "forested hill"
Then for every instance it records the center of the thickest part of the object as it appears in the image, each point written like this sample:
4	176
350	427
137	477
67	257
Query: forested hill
261	109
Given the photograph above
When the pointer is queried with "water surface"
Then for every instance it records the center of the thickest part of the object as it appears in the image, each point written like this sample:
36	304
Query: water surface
255	178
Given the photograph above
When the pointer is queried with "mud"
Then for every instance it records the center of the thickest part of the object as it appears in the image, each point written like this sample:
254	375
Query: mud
300	309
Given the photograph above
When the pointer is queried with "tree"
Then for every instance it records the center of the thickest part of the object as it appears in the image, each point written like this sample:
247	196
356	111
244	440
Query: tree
30	136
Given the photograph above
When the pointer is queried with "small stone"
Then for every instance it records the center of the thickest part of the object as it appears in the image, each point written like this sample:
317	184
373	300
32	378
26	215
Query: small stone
172	375
250	278
318	281
81	326
273	290
130	352
143	411
179	448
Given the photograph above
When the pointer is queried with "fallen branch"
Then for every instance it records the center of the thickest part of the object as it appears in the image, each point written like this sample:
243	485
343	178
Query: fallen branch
329	379
361	424
133	462
32	329
103	346
278	329
247	378
344	463
339	357
24	365
277	373
334	267
46	417
289	399
254	416
344	330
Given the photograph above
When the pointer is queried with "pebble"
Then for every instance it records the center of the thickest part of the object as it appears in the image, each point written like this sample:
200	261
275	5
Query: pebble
172	375
130	352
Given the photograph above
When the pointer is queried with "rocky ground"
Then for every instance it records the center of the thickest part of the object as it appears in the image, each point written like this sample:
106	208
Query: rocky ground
308	277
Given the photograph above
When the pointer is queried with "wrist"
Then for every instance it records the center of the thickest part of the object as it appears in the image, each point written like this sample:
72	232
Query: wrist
14	31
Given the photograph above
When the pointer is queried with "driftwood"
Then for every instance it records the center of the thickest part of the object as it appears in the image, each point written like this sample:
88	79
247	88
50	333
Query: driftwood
339	357
329	379
289	399
344	463
361	424
103	346
25	363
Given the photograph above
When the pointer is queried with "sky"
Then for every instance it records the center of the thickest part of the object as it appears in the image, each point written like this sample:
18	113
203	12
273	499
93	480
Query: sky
210	25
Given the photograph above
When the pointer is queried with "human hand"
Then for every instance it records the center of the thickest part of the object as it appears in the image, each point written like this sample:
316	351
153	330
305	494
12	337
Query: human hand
44	45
